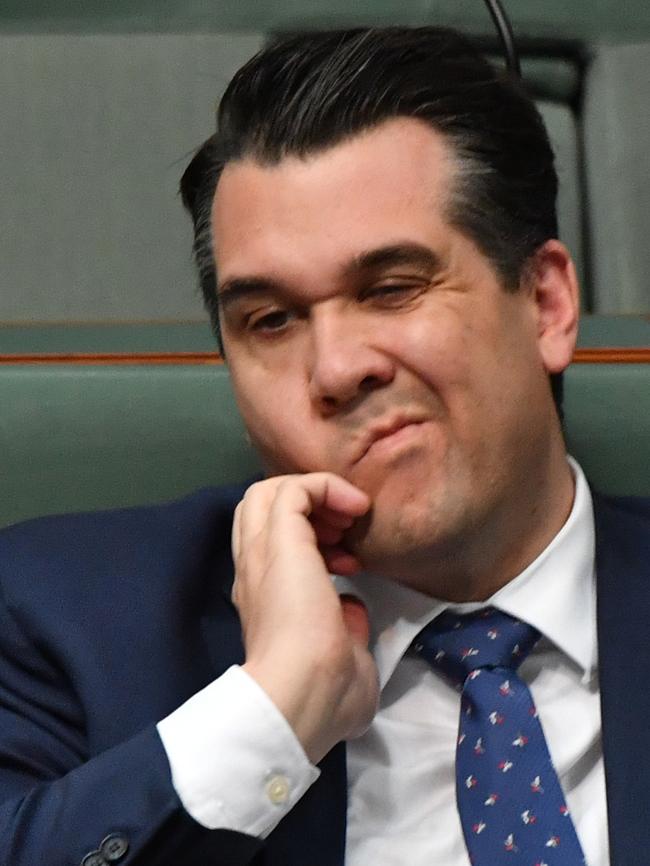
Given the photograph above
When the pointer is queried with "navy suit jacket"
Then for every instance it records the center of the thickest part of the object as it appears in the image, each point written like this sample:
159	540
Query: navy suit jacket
109	621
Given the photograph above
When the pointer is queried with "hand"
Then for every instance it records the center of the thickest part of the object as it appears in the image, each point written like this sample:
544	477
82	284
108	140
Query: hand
306	647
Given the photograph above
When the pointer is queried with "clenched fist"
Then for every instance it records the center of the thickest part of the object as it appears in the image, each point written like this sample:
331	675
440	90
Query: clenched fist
306	647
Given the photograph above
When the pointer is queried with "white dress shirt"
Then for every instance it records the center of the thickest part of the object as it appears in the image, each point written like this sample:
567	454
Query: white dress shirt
237	765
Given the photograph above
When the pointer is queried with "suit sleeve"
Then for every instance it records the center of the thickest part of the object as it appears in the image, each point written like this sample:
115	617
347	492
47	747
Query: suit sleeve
61	806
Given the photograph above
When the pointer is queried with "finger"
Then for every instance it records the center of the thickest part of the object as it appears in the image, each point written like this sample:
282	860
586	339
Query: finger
274	524
322	493
254	509
235	537
355	616
325	534
249	539
340	561
302	495
332	493
333	518
236	548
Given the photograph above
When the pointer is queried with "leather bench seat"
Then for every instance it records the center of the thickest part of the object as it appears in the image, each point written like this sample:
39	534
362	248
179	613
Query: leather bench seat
86	436
178	337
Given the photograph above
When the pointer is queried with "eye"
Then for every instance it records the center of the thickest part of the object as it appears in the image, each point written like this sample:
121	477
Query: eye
275	320
393	294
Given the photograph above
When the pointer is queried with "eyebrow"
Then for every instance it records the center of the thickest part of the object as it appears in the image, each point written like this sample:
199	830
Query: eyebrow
391	255
394	255
232	290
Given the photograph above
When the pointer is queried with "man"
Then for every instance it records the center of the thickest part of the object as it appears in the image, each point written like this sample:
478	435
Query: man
375	232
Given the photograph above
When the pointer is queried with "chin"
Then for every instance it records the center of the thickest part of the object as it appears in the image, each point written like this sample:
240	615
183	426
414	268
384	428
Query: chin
400	533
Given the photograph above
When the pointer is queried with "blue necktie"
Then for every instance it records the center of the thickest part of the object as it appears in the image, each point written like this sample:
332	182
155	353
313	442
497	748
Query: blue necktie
509	798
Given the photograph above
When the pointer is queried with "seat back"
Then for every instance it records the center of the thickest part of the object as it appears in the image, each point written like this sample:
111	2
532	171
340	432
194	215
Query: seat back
77	436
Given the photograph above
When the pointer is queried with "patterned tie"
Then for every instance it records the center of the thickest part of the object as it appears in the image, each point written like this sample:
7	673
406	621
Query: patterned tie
510	802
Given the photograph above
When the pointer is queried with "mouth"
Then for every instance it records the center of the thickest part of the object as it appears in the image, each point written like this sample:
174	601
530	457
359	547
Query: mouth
384	438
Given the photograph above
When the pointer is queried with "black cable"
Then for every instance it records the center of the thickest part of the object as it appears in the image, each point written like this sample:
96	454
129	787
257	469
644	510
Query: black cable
506	36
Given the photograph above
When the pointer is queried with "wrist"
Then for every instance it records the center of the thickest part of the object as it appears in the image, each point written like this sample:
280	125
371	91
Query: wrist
307	700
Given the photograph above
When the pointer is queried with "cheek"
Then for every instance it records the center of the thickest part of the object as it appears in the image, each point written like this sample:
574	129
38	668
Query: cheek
276	421
468	366
436	350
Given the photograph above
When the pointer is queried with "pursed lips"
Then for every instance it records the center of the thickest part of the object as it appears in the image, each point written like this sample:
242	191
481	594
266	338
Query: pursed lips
377	432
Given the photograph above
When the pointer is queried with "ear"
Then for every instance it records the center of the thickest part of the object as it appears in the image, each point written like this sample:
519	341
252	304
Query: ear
553	288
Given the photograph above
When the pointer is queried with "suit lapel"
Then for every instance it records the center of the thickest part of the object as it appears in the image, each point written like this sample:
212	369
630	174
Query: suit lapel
623	572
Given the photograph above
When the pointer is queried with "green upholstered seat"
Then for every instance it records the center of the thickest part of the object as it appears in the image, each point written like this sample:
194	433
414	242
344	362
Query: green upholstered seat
608	424
90	436
180	337
83	437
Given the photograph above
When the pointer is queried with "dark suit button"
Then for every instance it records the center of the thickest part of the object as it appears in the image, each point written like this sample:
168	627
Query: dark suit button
94	859
114	847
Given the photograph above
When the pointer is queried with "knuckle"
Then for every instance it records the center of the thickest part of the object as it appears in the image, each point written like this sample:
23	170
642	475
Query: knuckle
249	494
285	484
263	491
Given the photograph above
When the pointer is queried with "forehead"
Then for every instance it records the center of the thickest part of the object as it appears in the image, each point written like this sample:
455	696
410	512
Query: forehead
385	186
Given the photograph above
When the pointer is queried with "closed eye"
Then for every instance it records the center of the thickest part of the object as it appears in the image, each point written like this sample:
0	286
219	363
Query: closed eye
393	294
275	320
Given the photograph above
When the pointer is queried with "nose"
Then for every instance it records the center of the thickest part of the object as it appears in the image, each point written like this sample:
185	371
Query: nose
346	362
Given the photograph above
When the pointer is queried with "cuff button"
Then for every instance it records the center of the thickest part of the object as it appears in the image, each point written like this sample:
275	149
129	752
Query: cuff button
94	859
114	847
277	789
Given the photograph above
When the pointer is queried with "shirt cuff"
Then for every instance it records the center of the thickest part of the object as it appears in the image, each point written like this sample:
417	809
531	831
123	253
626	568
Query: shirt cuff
236	763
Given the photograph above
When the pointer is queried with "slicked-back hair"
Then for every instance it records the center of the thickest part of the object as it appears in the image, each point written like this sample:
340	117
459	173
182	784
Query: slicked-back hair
304	93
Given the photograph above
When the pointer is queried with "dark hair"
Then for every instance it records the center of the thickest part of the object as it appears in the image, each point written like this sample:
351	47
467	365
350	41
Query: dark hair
307	92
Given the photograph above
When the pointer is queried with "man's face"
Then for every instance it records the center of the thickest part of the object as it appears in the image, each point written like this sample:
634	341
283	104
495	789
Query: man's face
368	337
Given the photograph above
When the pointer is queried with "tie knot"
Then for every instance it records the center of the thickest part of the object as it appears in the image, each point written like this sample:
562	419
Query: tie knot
458	644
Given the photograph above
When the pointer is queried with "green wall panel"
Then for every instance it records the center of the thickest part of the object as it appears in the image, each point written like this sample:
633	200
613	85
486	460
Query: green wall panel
585	19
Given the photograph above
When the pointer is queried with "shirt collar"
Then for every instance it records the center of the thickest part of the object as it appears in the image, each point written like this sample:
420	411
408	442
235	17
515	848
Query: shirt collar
555	594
